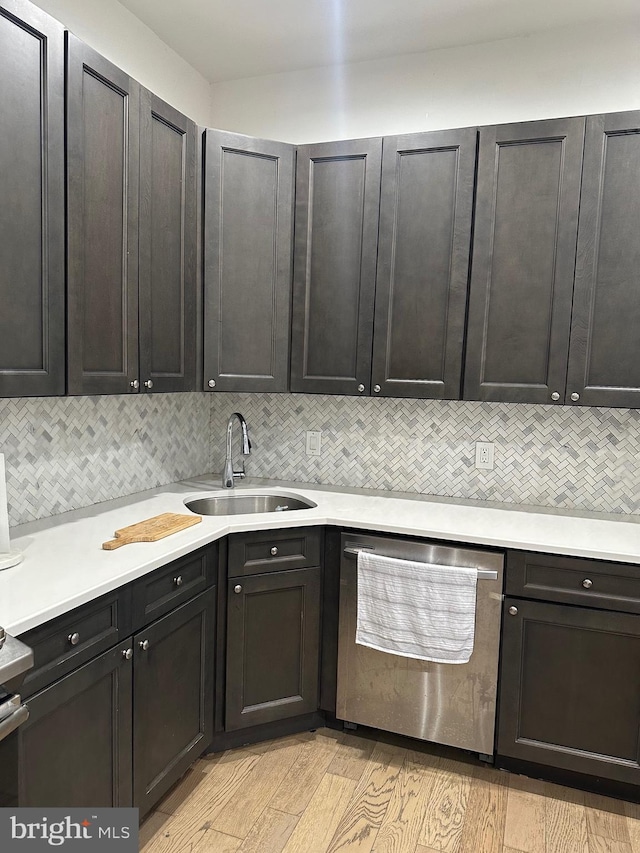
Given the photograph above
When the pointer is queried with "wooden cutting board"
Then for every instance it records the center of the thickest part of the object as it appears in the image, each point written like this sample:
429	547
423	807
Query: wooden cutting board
152	529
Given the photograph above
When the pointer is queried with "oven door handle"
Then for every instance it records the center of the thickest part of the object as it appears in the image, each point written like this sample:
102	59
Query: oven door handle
11	723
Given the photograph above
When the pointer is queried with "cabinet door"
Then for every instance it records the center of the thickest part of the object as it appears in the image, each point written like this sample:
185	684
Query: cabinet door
168	247
102	215
523	263
604	368
32	208
75	748
272	647
336	234
173	690
569	689
423	263
248	233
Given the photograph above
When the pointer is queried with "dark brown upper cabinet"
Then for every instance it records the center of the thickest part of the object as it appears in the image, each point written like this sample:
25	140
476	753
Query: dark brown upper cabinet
132	237
168	248
424	243
248	233
336	235
102	213
604	363
32	210
526	224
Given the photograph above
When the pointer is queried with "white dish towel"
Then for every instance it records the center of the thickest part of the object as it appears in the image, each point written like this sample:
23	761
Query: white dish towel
416	610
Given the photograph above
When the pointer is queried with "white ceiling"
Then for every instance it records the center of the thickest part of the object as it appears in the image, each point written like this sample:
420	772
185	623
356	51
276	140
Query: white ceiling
246	38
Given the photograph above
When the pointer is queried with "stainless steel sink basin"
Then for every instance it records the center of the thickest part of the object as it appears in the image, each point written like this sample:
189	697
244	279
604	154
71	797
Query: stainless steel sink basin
244	504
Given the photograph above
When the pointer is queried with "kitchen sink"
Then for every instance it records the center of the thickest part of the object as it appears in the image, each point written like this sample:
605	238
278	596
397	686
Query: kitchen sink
245	504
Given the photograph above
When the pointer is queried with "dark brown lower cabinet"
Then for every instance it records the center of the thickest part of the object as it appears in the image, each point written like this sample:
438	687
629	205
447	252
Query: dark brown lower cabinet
569	690
120	730
273	637
75	748
172	697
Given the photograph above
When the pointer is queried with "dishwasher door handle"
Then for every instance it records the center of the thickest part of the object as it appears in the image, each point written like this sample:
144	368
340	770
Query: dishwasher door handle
354	550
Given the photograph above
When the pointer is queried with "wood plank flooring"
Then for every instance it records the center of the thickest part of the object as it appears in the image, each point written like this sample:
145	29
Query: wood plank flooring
329	792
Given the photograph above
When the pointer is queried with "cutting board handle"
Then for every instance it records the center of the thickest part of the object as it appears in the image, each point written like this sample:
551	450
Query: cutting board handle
115	543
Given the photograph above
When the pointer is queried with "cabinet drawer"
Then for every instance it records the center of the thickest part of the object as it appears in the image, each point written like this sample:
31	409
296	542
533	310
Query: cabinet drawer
572	580
160	591
65	643
273	550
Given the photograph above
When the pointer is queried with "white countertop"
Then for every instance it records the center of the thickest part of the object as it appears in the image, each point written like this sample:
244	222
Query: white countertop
64	565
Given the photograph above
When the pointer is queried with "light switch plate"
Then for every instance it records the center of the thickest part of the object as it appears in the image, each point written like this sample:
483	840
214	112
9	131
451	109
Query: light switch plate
313	442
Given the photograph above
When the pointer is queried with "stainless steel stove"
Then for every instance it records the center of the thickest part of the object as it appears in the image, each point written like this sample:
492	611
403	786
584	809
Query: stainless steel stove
15	660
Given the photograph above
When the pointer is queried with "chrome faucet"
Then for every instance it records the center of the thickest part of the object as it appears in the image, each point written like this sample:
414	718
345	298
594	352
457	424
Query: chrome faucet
229	475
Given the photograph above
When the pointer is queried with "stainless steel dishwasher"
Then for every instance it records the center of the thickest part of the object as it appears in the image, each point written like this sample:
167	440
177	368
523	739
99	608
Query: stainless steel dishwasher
452	704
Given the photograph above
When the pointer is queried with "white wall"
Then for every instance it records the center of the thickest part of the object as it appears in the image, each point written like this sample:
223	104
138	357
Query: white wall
570	71
122	38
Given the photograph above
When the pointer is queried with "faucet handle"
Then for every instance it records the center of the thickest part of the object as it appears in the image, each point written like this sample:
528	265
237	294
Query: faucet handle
246	443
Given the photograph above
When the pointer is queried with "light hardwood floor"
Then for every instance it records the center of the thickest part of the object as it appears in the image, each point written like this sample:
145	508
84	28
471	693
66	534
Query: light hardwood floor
325	792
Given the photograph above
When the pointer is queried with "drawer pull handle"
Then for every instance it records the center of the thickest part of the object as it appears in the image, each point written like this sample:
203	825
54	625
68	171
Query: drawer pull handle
513	611
274	551
127	654
237	588
587	584
74	638
144	645
178	581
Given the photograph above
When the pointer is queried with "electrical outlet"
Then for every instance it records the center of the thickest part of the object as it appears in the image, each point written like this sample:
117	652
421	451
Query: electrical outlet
313	442
484	454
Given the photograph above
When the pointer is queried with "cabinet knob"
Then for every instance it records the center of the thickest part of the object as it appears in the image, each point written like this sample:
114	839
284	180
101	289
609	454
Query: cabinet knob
135	384
211	383
361	387
513	611
144	645
587	583
148	383
274	551
178	581
74	638
127	654
237	588
555	396
575	397
376	388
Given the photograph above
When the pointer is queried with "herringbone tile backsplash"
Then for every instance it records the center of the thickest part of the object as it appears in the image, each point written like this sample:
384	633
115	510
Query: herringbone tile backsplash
63	453
556	456
68	452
